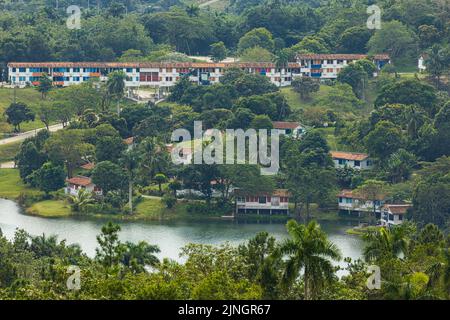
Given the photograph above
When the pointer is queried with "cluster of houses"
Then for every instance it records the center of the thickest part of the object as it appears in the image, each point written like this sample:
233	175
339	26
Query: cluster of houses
277	201
164	75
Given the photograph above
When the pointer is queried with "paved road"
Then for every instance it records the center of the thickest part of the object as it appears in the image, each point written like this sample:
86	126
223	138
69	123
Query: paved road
28	134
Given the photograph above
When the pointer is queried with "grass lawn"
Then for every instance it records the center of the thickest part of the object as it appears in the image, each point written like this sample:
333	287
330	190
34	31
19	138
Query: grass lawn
296	103
8	151
29	96
154	209
50	209
11	186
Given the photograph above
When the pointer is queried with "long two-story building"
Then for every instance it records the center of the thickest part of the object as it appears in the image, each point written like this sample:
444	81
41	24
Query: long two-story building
165	74
276	202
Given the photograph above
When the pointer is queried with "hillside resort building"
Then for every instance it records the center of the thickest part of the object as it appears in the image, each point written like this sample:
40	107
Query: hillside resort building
160	74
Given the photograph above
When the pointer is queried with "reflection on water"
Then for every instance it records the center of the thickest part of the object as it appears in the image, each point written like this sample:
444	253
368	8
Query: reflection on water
170	237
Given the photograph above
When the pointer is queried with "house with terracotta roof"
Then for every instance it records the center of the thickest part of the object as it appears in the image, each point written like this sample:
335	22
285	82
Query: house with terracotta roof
75	184
289	128
393	214
350	202
275	202
353	160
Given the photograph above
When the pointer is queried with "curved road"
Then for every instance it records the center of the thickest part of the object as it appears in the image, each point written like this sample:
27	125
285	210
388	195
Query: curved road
28	134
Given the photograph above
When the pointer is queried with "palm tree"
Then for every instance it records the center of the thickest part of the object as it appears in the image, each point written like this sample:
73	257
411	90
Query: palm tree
137	256
386	242
310	251
116	86
192	10
281	60
81	200
130	162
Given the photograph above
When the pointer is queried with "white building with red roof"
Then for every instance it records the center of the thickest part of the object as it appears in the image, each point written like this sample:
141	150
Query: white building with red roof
75	184
275	202
350	202
353	160
393	214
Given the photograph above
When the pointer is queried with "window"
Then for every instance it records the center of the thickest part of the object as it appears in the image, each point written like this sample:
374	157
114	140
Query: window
22	69
76	69
13	69
262	200
357	163
22	79
342	161
76	79
391	217
129	70
400	217
340	199
348	200
85	78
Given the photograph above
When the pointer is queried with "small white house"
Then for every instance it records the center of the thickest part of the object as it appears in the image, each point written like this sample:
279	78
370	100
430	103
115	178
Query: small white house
276	202
289	128
393	214
353	160
75	184
352	203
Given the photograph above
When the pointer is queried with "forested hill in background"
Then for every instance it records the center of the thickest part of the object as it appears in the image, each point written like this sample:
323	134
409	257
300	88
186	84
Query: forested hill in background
153	30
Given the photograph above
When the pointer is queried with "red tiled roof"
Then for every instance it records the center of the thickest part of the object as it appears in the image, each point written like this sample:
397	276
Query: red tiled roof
397	208
88	166
348	155
333	56
146	65
347	193
285	125
80	181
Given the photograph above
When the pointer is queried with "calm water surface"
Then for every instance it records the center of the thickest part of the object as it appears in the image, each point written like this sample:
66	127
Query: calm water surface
170	237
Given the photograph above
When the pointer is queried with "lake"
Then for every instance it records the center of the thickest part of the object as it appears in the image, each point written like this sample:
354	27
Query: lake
169	236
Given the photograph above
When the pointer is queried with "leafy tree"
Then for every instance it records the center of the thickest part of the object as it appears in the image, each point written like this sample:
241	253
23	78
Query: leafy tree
356	76
45	85
408	92
309	250
394	38
29	158
354	39
384	140
68	146
49	177
108	176
111	250
437	62
312	44
17	113
400	165
256	54
47	114
109	148
218	51
258	37
305	86
261	122
160	178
